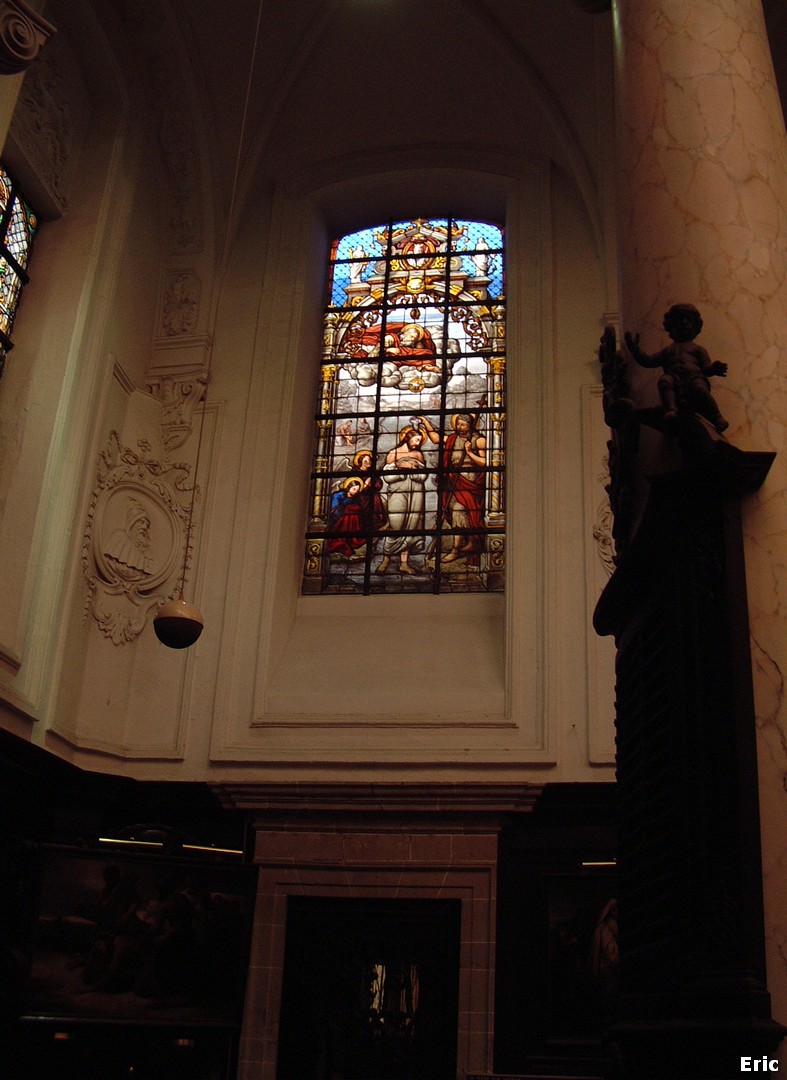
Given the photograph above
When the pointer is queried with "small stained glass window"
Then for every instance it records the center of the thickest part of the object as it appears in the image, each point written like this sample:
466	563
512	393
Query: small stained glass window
407	491
18	225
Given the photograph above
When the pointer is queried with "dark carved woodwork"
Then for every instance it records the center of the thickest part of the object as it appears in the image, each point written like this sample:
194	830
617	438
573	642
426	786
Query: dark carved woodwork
620	415
595	7
693	995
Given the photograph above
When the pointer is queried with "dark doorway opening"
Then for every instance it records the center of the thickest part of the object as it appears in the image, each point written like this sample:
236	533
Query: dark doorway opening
370	989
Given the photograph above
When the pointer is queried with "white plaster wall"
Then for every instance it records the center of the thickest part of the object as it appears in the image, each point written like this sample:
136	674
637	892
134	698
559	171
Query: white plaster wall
50	392
317	683
278	684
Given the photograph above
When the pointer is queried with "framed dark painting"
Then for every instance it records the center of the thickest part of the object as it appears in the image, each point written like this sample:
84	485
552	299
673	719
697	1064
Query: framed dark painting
143	938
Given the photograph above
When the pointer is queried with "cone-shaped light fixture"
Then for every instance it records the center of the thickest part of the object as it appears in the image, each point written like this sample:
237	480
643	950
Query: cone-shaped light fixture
178	624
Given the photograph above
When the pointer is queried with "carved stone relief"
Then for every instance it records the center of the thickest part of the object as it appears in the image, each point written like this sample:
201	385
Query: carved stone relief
179	393
43	125
602	531
133	550
179	303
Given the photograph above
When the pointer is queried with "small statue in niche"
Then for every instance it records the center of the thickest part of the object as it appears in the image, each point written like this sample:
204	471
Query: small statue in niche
686	365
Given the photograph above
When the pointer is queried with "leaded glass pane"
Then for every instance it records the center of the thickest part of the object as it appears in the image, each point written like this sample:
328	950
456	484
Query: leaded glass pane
21	227
407	490
5	190
18	226
9	295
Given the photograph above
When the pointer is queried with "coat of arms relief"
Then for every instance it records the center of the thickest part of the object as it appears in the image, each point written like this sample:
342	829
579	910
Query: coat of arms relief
133	555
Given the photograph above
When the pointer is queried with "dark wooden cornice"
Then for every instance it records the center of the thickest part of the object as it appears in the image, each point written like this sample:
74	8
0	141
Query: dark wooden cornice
494	798
595	7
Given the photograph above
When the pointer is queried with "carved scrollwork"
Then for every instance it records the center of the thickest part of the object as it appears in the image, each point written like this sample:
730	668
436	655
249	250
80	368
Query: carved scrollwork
133	547
23	34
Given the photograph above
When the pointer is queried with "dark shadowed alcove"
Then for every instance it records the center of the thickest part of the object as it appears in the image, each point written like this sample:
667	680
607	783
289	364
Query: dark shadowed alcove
370	988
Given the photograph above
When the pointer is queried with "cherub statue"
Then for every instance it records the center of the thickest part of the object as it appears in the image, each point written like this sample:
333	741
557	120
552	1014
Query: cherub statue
687	367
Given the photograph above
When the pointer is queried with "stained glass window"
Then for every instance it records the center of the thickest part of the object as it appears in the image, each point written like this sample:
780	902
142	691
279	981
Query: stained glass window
18	224
407	491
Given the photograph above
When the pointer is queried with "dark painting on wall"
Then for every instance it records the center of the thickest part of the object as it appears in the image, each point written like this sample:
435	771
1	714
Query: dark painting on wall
133	937
582	954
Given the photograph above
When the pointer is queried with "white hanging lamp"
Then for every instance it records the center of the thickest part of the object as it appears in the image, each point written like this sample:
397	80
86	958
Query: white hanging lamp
178	623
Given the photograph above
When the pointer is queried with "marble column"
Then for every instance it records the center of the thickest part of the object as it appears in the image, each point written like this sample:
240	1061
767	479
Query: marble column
703	196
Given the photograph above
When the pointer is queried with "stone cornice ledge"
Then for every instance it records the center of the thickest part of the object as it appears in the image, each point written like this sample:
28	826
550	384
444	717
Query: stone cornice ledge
431	798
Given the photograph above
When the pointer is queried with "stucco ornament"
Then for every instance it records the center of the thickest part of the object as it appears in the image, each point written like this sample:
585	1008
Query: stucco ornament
179	303
602	535
133	550
179	394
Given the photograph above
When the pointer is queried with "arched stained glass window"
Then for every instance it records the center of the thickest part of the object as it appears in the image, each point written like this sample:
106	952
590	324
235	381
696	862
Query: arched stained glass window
18	224
407	491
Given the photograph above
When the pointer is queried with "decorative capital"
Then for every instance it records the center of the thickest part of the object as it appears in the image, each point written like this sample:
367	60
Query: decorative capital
23	34
179	393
